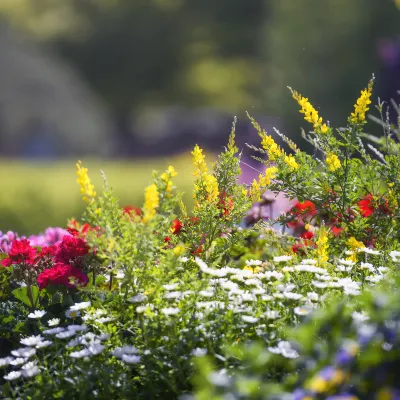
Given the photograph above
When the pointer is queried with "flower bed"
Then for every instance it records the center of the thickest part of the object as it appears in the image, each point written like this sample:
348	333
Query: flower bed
156	302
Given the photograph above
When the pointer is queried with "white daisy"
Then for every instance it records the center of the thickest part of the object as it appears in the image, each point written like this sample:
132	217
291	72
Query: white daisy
95	348
53	322
369	251
172	295
43	344
198	352
346	262
12	375
131	359
302	311
17	361
309	261
53	331
30	369
312	296
80	354
249	319
272	314
282	258
80	306
37	314
65	334
25	352
77	328
368	266
120	351
139	298
72	314
252	263
359	317
5	361
31	340
293	296
170	311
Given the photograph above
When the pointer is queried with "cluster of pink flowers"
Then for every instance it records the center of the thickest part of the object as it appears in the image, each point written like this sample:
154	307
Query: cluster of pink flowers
55	264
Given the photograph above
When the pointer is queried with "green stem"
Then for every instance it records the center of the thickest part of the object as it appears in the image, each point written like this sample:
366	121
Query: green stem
29	288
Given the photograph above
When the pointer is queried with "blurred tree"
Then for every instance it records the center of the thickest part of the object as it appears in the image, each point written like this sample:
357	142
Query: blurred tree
325	50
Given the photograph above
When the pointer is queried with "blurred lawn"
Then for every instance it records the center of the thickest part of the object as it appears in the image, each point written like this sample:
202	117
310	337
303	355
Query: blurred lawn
36	195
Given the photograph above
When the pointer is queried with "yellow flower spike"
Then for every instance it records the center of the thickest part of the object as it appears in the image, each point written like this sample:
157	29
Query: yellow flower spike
211	187
199	161
86	186
172	172
310	113
290	161
255	191
322	246
151	202
269	145
333	162
270	173
361	106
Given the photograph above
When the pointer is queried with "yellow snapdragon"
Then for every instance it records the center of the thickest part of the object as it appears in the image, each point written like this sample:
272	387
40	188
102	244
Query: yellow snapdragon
310	113
333	162
86	186
354	245
361	106
151	202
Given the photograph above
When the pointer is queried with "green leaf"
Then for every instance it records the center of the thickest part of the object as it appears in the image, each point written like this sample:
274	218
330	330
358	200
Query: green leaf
22	295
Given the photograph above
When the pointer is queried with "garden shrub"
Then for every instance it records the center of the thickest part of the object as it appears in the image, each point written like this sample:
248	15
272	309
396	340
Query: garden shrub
128	302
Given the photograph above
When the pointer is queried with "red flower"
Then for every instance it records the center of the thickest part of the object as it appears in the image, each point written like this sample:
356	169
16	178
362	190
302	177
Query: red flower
70	248
336	230
176	226
21	252
300	247
307	235
132	210
367	207
48	251
301	210
62	274
197	251
306	207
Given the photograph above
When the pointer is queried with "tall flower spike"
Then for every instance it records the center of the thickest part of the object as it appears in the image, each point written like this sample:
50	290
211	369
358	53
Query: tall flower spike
310	113
87	188
151	202
199	161
361	106
269	145
322	246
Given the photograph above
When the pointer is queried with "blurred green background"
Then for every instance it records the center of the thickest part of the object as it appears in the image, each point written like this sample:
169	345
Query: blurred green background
131	85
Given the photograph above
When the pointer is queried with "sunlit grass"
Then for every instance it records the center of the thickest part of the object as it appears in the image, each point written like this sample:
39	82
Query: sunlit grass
36	195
